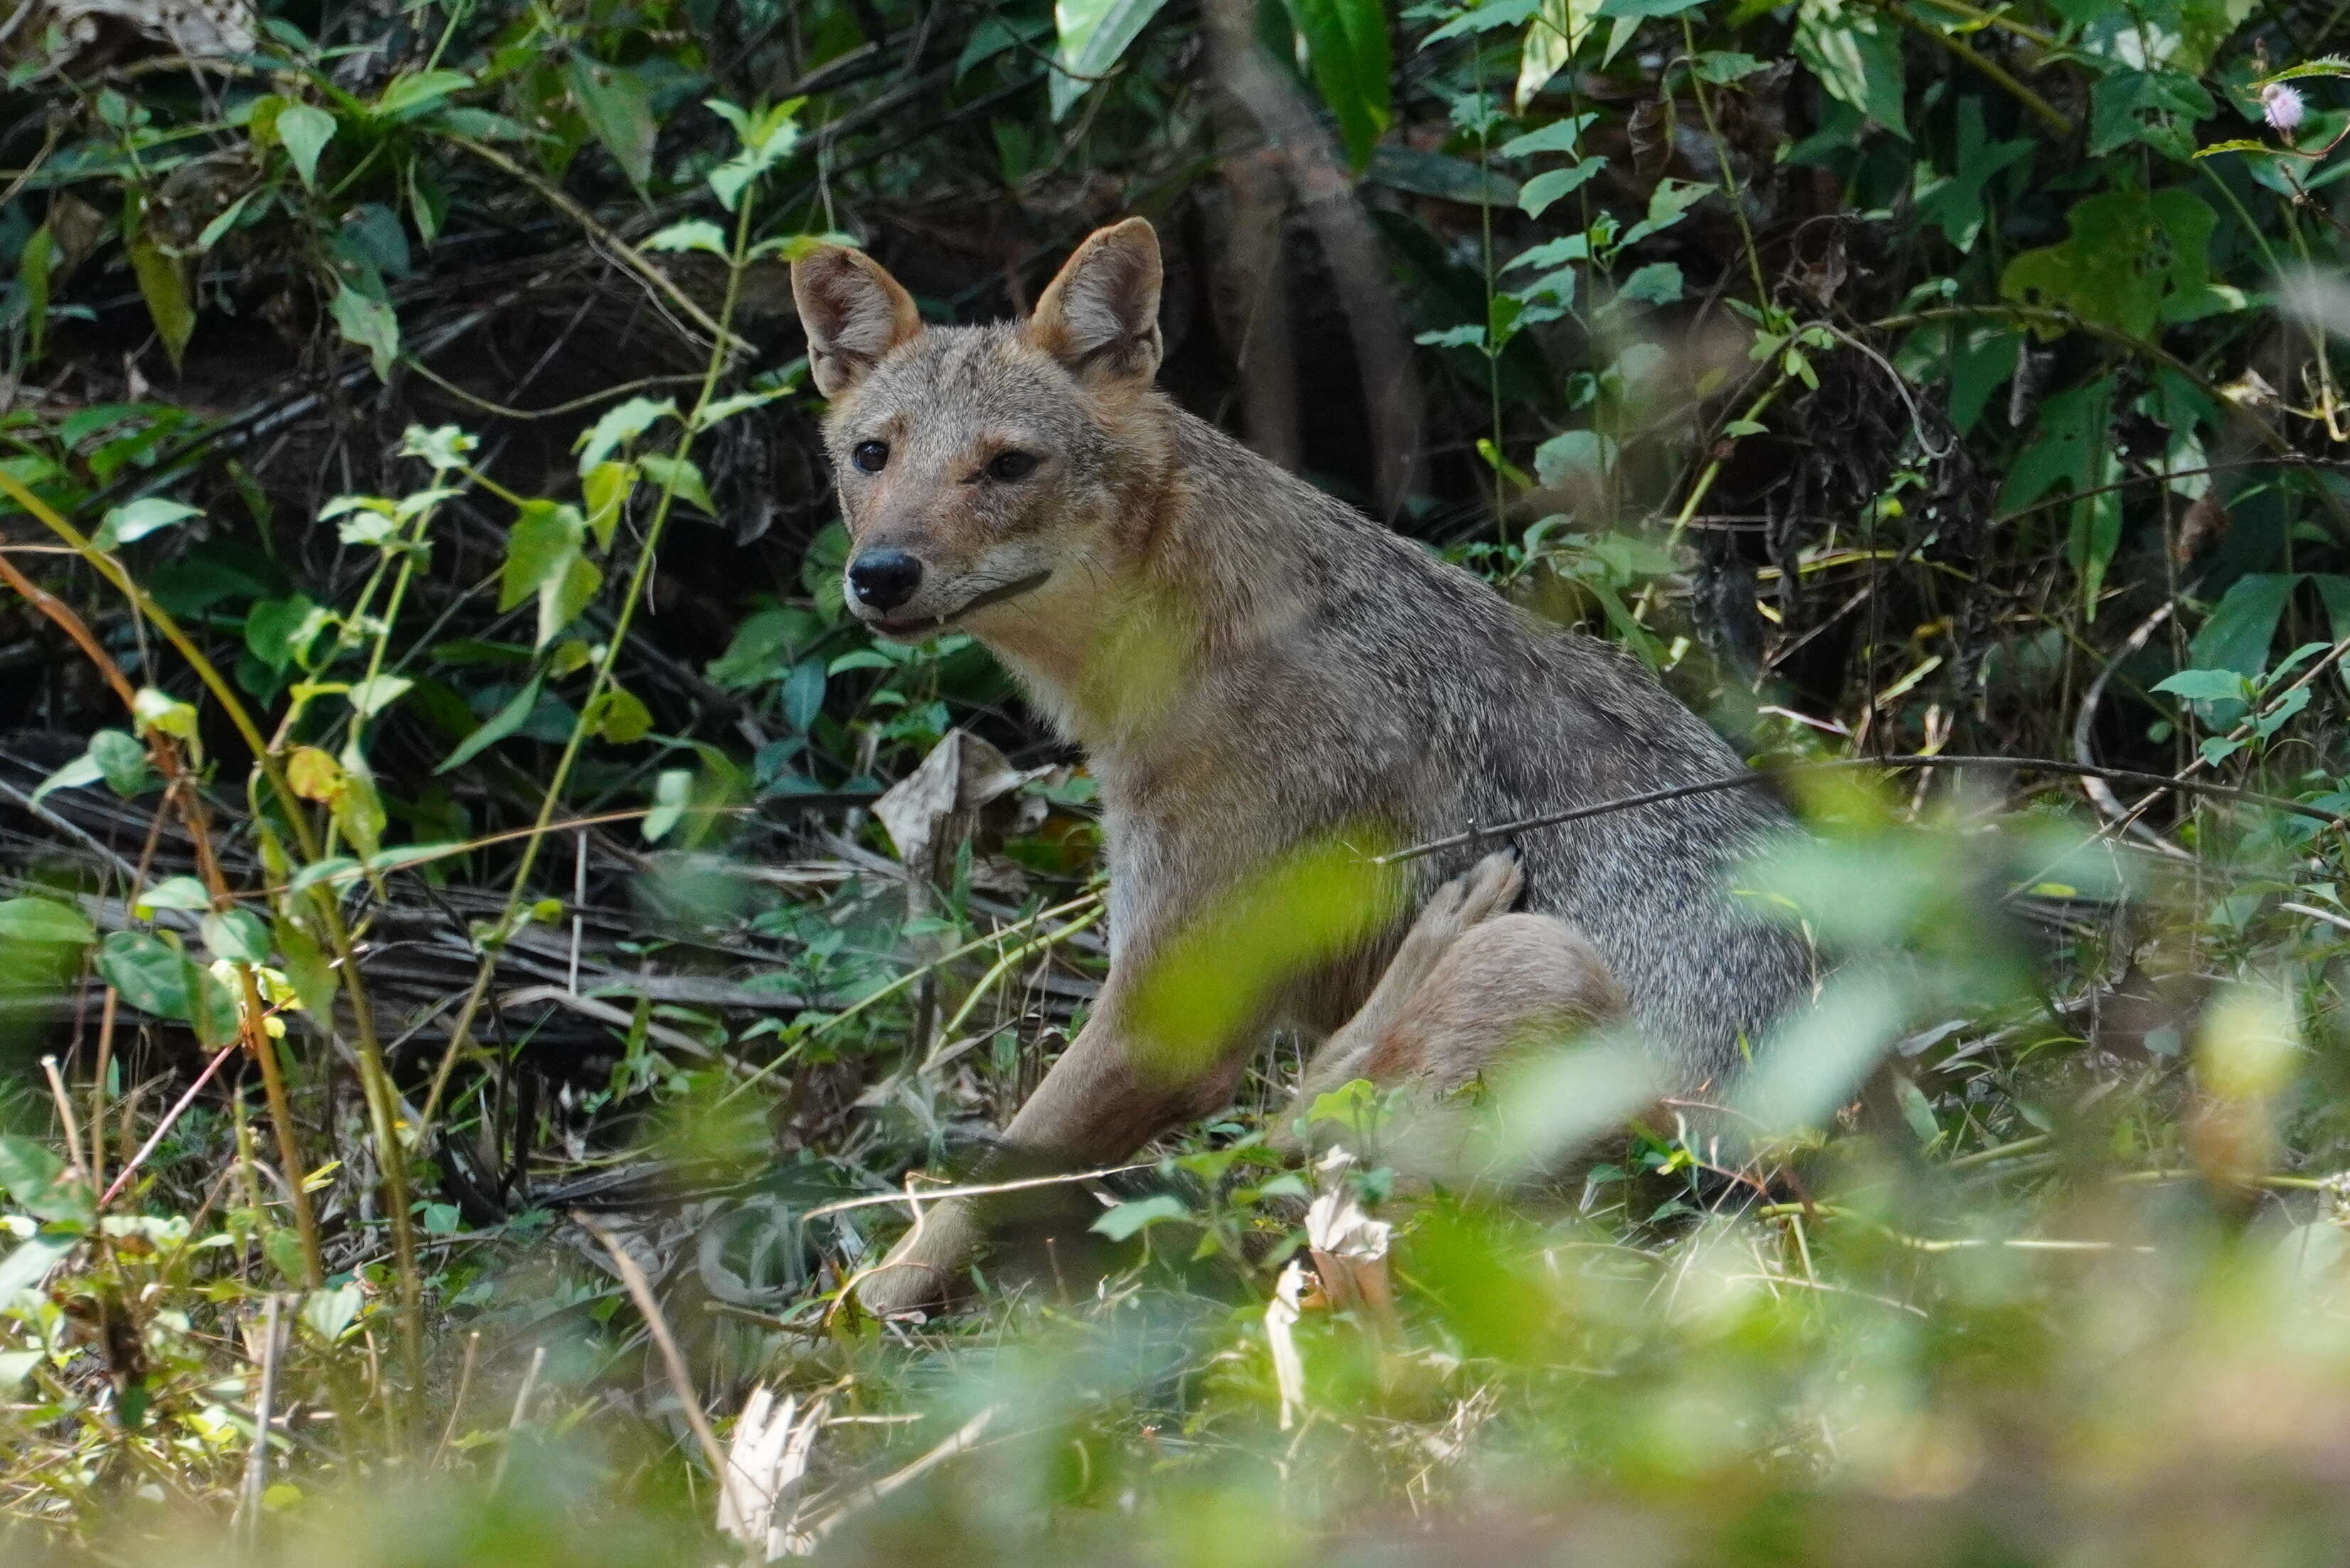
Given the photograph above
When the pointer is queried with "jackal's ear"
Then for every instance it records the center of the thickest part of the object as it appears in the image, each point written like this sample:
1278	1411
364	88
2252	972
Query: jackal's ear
1100	316
854	312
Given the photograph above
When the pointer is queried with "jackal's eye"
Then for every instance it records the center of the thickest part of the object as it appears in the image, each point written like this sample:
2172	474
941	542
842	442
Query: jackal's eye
1008	466
870	455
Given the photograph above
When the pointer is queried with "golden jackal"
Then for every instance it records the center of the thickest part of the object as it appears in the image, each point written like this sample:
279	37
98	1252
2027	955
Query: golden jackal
1252	668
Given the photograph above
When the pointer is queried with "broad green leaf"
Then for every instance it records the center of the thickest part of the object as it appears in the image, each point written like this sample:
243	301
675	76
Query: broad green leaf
151	974
672	789
1556	31
692	235
618	716
682	475
2073	446
2160	108
1561	135
1347	49
42	922
497	726
334	868
1093	35
304	130
2132	258
619	424
1640	10
2244	623
2207	686
279	632
1954	202
1856	54
561	600
1660	283
1535	197
37	1185
1668	205
236	935
1435	174
172	893
158	710
377	692
544	540
369	322
137	519
605	490
164	286
1723	66
1140	1214
33	265
406	97
619	108
1573	455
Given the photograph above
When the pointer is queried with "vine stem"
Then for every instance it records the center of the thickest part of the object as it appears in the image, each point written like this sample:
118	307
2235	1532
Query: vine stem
460	1031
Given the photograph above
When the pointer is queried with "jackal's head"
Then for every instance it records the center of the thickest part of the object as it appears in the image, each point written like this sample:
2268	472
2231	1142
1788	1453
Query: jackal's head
983	468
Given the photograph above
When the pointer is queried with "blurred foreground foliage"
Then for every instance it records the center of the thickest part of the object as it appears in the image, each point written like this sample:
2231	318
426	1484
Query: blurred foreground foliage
453	841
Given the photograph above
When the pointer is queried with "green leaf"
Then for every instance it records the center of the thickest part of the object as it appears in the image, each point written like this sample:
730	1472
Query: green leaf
2207	686
605	490
672	789
334	868
1643	9
1554	33
406	97
279	632
545	538
2160	108
377	692
2244	623
369	322
1347	49
43	922
236	935
304	130
561	601
2132	258
33	263
496	727
137	519
694	234
1660	283
172	893
618	716
113	755
164	288
1093	35
151	974
1954	202
2072	446
37	1183
619	424
1561	135
1127	1219
1723	66
1537	194
1668	205
618	106
1444	178
1857	55
1572	456
682	475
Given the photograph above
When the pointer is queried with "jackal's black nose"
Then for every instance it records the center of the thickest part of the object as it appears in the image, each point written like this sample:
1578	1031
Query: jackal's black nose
884	579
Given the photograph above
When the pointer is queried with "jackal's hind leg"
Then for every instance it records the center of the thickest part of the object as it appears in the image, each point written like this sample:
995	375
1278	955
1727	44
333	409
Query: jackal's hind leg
1469	987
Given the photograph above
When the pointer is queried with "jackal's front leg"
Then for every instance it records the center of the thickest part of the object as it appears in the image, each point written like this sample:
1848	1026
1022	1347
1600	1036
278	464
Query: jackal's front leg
1100	1102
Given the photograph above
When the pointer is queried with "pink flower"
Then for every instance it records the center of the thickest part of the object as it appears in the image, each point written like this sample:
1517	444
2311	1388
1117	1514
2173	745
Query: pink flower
2282	106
